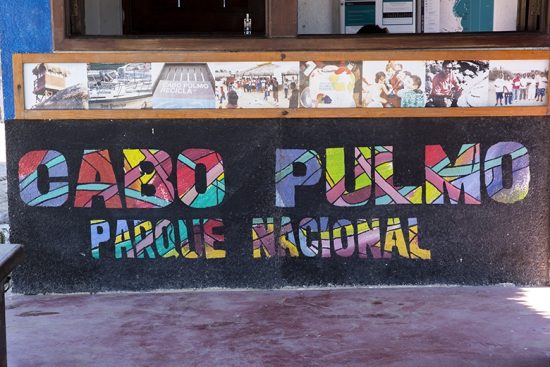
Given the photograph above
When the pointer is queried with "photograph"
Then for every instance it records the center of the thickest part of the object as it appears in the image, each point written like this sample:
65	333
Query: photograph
394	84
513	83
457	83
55	86
334	84
256	84
183	86
120	86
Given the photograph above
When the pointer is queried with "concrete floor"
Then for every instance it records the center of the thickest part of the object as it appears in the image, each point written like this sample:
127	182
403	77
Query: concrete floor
428	326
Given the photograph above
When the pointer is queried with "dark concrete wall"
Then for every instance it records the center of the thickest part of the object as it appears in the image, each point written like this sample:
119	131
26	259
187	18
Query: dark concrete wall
495	231
25	26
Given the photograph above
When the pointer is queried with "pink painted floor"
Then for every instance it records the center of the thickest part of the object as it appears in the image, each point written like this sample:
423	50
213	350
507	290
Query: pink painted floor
429	326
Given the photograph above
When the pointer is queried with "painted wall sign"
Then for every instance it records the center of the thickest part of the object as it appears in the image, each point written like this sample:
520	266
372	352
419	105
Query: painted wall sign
227	203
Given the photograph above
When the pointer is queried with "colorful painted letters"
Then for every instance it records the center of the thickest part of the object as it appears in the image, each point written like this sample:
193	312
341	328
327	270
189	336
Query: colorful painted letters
43	179
326	238
459	181
144	239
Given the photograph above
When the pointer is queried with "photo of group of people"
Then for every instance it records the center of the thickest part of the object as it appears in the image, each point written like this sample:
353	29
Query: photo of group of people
513	83
305	84
393	84
454	83
256	85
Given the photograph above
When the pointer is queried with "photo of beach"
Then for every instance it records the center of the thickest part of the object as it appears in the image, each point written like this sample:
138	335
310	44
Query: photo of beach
256	84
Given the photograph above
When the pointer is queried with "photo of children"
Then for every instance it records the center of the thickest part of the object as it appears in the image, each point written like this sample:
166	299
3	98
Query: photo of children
255	84
335	84
50	86
393	83
513	83
455	83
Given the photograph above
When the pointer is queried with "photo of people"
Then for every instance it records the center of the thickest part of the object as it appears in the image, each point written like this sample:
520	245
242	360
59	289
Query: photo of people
120	86
393	84
255	84
55	86
452	83
334	84
518	83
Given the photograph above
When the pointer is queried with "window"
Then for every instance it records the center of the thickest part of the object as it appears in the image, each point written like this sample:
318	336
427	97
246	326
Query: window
169	17
277	25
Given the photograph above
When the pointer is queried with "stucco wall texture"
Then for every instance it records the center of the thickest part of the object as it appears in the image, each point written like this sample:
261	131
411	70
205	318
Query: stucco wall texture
25	27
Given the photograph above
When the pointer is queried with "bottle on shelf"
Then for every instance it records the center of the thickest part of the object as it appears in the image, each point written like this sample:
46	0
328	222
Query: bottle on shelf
247	25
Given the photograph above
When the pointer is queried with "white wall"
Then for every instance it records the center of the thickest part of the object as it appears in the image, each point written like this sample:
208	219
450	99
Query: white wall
103	17
318	16
505	15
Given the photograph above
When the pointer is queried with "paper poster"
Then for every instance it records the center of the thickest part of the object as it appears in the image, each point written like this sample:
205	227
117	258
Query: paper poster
469	15
256	84
354	14
184	86
398	16
394	83
121	86
457	83
335	84
513	83
55	86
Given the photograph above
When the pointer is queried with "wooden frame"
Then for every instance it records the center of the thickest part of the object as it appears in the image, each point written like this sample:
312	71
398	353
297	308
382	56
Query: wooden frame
359	112
281	35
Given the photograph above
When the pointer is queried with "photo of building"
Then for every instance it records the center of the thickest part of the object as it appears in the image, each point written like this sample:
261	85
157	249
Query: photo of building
56	86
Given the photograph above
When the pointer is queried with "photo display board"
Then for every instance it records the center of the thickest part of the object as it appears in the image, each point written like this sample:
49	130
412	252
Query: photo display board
268	203
349	83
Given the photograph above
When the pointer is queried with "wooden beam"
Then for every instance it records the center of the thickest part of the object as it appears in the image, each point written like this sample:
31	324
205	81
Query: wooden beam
59	28
545	18
534	16
522	15
284	113
433	41
281	18
77	18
